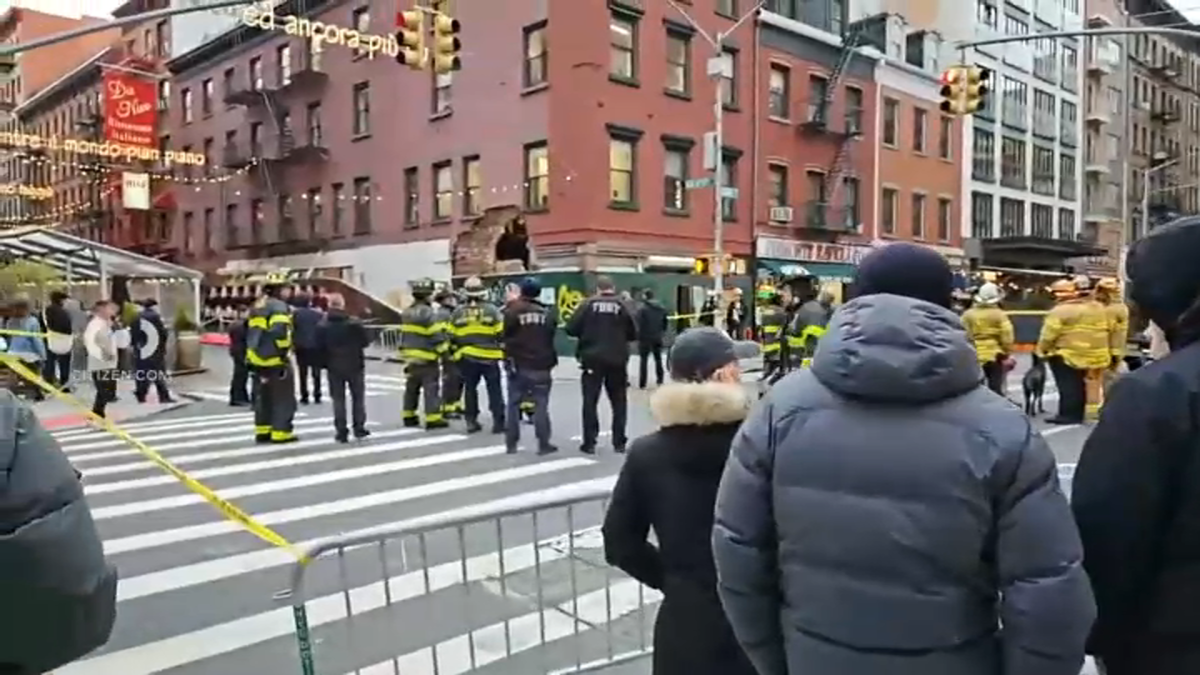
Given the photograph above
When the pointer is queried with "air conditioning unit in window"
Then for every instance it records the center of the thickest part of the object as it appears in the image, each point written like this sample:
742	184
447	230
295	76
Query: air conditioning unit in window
780	214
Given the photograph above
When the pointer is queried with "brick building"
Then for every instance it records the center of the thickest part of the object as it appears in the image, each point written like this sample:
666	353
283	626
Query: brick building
87	198
35	70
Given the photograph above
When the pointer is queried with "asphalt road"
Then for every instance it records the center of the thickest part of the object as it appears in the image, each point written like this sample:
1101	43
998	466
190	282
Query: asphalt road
197	594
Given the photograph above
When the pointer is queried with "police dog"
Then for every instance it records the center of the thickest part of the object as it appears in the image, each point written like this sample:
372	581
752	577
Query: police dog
1033	385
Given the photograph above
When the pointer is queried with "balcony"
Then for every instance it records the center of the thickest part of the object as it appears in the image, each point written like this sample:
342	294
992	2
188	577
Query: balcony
1166	114
249	95
233	156
310	74
1096	167
1098	116
820	215
293	151
1164	71
1099	67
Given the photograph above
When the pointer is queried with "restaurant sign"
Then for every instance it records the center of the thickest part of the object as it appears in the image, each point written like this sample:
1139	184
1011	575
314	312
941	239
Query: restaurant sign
810	251
130	110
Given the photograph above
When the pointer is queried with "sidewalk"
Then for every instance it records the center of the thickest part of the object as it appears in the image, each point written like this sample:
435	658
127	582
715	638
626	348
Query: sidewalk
56	413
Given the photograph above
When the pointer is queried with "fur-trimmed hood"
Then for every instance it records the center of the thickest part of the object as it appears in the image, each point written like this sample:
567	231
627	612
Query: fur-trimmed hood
699	404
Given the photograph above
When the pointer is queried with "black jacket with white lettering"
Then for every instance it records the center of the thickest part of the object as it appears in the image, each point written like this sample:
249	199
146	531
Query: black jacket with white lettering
604	327
529	328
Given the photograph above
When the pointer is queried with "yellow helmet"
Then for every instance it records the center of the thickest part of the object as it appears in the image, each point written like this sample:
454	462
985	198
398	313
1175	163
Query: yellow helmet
1063	288
1108	284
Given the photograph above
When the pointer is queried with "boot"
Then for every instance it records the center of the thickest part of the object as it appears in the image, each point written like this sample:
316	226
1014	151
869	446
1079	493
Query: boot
412	422
474	427
436	424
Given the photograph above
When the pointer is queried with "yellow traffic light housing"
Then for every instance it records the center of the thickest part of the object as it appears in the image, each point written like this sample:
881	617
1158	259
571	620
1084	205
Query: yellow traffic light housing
411	36
953	88
702	266
975	89
446	44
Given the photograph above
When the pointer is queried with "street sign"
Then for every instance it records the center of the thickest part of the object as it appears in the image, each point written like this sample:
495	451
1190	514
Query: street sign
697	183
729	193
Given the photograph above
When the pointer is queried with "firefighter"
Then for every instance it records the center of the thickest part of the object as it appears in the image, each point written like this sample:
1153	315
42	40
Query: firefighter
422	346
1108	293
807	327
268	358
476	332
1075	342
772	322
452	384
991	332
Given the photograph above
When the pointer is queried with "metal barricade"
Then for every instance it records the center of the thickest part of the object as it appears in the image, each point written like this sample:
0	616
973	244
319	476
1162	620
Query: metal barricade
385	339
524	586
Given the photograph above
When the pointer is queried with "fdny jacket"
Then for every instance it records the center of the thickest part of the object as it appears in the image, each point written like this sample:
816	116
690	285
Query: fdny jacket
1118	327
990	330
269	334
476	331
604	328
423	333
529	328
808	325
771	326
1078	331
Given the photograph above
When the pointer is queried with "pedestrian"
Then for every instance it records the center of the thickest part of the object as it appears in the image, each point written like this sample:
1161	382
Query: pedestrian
239	378
708	310
651	331
308	353
884	512
668	483
269	351
149	337
736	315
1136	489
476	345
991	333
423	341
341	347
529	328
1075	342
604	327
25	342
60	327
60	594
102	360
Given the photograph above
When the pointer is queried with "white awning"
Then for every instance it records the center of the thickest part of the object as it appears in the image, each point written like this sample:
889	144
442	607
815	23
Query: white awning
85	259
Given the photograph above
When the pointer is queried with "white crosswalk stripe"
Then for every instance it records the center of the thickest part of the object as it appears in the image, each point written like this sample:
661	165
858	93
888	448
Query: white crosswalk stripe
196	595
377	385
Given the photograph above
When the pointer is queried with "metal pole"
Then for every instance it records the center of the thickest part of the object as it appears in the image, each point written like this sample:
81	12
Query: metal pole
1177	32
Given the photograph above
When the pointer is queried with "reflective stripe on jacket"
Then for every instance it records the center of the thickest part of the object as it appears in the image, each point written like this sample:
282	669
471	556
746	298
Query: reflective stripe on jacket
807	327
1078	331
423	333
269	334
990	330
771	327
476	331
1118	327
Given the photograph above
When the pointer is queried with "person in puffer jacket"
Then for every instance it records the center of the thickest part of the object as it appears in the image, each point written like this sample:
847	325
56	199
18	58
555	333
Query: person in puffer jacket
59	594
885	512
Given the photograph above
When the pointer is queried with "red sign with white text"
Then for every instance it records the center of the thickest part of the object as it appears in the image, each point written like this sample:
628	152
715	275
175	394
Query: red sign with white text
130	110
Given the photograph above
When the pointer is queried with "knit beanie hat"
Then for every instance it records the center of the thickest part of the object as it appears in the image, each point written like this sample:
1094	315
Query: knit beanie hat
1164	279
909	270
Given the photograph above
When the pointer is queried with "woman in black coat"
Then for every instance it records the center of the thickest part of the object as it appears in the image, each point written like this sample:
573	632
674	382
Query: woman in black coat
669	483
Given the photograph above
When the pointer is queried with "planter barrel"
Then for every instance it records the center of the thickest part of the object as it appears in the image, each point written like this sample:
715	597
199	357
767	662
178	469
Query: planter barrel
187	352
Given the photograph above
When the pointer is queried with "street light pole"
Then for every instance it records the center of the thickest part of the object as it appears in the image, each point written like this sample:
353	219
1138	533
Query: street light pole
716	68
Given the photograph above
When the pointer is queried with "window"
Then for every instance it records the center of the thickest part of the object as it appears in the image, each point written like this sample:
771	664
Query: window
283	65
256	221
945	144
727	7
412	197
256	74
362	205
622	178
1041	221
1044	114
729	92
231	226
189	231
1070	114
206	97
535	55
164	95
256	139
227	84
853	204
1070	69
729	198
208	235
443	191
888	203
944	214
312	201
287	225
679	63
982	215
1012	163
818	91
312	121
207	150
160	39
337	209
919	119
537	176
1012	217
1043	171
1066	177
778	104
185	100
1066	224
623	47
854	110
675	175
442	83
362	109
1015	106
360	18
891	120
471	186
918	216
777	181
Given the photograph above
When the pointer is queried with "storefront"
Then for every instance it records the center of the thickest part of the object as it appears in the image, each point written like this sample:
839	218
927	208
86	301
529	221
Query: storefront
832	264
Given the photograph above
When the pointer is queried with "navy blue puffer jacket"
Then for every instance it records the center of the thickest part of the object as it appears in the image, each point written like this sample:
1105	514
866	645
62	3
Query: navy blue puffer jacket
883	512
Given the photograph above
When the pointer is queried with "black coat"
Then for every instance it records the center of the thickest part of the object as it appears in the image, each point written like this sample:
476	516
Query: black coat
669	483
341	341
140	339
651	324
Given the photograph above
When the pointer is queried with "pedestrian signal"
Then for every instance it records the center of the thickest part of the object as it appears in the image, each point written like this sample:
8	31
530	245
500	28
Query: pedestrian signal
446	44
411	36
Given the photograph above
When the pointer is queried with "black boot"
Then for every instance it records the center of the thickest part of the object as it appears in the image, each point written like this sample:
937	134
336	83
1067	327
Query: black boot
436	424
361	433
412	422
474	427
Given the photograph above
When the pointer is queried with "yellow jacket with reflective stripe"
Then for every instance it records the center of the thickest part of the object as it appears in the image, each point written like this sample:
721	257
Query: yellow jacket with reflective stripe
476	331
808	325
771	327
423	333
269	334
1078	331
990	330
1118	327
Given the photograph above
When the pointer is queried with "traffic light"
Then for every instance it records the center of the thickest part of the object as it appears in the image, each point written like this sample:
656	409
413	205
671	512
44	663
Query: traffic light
976	89
446	44
954	82
702	266
411	36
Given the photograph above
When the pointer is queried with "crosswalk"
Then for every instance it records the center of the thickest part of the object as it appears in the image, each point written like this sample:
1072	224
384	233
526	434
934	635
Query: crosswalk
197	594
377	385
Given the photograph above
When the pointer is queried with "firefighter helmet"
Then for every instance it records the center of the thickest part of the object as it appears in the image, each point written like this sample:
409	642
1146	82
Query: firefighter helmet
421	287
1108	284
1063	288
473	288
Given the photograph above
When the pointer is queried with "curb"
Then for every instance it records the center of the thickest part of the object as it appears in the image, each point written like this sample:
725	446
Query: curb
64	422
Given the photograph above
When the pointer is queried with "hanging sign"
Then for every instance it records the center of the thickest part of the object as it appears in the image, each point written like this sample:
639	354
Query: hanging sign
135	191
130	110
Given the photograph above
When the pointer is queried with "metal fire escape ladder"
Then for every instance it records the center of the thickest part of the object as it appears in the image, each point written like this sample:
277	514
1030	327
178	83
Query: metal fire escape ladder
835	177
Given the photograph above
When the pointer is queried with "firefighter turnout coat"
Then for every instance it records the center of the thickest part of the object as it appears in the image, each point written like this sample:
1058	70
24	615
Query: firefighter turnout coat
423	333
990	330
476	330
1077	330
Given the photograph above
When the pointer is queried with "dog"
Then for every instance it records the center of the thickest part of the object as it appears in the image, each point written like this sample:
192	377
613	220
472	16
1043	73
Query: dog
1033	385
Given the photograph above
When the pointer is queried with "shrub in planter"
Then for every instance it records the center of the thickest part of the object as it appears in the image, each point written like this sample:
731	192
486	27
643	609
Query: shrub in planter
186	335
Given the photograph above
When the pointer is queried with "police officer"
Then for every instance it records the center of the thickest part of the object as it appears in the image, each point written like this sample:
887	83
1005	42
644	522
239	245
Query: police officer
476	332
452	384
529	328
422	345
604	327
772	323
268	357
512	295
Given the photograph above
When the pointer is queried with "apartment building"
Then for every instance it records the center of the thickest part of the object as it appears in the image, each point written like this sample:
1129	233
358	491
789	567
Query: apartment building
1106	102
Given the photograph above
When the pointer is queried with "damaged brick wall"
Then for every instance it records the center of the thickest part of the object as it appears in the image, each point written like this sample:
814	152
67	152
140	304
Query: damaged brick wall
475	247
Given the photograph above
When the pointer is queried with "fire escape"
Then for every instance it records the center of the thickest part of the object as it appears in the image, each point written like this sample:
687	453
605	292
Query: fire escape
275	145
827	212
1165	146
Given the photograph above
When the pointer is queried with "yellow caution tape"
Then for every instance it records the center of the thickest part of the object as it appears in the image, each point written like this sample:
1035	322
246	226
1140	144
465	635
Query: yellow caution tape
227	509
26	333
